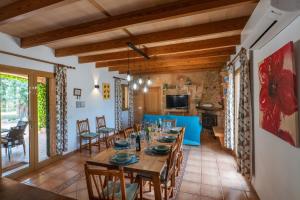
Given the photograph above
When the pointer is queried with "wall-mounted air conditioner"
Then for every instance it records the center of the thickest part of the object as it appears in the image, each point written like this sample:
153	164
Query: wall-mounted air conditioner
268	19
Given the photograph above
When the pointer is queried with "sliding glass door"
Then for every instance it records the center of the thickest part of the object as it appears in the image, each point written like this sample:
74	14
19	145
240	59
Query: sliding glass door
26	119
15	130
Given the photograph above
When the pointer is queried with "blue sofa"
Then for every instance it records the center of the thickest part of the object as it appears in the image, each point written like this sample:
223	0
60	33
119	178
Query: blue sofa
192	126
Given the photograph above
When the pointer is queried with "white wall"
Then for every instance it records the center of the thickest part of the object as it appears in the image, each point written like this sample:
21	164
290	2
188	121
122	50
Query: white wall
277	164
83	77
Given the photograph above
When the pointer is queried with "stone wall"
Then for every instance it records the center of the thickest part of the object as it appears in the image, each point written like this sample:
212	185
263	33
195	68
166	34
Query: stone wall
202	87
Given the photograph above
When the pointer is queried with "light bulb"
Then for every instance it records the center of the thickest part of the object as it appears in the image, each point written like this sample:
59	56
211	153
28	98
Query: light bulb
149	82
140	81
128	77
134	86
145	90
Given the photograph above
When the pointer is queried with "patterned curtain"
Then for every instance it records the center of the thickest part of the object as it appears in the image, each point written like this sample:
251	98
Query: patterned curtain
244	119
61	109
130	107
229	112
118	104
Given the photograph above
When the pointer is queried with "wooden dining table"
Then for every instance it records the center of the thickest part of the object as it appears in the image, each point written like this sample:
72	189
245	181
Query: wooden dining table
13	190
152	165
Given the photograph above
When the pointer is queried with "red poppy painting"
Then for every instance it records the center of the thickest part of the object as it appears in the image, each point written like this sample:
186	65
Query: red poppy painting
278	102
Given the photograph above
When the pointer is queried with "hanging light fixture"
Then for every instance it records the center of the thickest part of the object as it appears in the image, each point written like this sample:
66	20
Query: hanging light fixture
145	89
128	72
140	80
149	81
135	86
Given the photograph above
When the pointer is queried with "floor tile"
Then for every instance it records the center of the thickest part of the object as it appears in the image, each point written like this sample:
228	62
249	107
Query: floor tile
211	180
211	191
190	187
192	177
210	174
232	194
187	196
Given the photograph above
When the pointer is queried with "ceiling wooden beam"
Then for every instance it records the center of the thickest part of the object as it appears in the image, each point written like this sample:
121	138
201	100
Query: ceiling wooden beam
153	14
177	71
184	55
164	61
171	49
174	69
236	24
24	8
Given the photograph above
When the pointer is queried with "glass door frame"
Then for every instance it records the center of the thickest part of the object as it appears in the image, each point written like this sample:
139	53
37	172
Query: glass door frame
33	117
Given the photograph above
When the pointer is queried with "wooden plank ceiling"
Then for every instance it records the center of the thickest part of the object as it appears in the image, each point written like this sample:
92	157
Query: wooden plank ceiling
178	35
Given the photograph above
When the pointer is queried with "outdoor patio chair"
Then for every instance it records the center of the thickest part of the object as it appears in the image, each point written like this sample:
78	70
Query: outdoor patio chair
14	138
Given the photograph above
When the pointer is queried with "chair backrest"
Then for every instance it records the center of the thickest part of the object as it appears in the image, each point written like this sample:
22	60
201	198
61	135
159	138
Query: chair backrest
22	125
137	127
102	183
16	136
100	122
171	161
83	126
172	121
110	141
127	132
181	136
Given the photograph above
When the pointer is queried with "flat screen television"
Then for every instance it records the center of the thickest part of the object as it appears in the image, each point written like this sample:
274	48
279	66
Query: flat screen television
177	101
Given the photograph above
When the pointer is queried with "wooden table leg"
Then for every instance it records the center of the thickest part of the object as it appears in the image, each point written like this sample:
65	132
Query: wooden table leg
156	185
90	145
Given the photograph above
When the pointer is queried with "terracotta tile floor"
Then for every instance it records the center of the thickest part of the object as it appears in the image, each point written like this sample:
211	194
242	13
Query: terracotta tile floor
210	174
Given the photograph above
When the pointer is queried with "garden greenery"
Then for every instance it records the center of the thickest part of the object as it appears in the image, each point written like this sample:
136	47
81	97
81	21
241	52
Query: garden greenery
14	94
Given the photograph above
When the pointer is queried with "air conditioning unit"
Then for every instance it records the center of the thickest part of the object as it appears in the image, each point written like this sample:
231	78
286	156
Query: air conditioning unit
268	19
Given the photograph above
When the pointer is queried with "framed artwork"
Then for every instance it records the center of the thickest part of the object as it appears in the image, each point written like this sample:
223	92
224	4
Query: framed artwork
125	98
106	91
77	92
278	103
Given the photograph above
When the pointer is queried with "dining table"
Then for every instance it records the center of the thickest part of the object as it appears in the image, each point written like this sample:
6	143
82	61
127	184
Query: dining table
149	164
13	190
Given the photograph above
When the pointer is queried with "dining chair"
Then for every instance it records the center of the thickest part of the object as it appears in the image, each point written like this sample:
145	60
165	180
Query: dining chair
180	151
109	184
84	133
172	121
167	177
137	127
103	131
128	132
110	141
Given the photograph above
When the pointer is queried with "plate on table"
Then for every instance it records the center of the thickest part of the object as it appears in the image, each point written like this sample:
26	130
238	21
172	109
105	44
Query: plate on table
123	159
121	143
166	139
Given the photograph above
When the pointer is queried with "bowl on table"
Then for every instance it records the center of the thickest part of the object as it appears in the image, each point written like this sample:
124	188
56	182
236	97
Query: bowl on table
167	139
160	149
121	143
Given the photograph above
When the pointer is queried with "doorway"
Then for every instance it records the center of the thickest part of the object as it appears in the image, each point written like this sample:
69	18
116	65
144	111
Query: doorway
26	119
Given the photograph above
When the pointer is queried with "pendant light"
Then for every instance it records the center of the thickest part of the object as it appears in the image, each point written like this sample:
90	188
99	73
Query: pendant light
145	89
149	81
128	72
140	80
135	86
